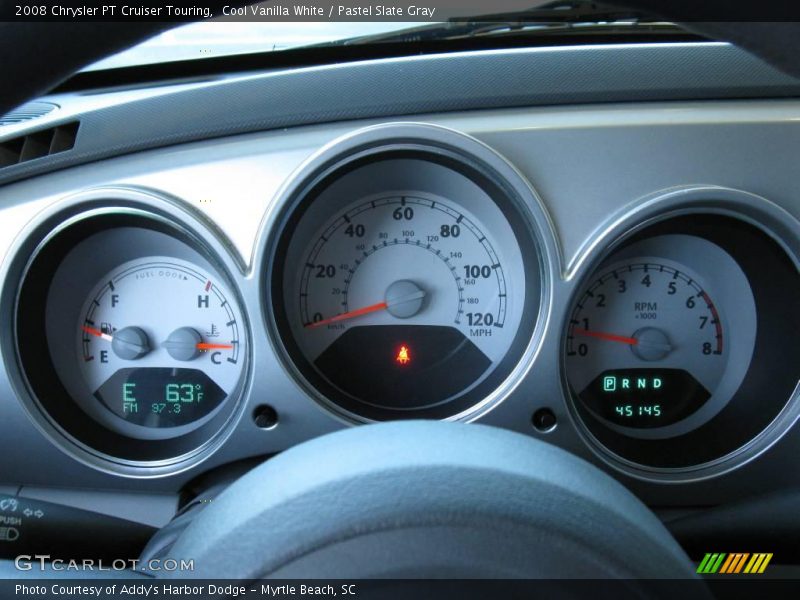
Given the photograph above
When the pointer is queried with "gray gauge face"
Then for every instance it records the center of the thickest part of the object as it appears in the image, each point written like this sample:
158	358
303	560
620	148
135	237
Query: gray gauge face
406	300
648	343
422	257
158	346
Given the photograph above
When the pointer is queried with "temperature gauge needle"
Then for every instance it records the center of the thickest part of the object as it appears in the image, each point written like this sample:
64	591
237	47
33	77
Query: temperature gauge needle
186	343
204	346
97	333
609	337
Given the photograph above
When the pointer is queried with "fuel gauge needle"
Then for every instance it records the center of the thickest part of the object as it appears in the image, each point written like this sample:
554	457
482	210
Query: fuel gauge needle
97	333
128	343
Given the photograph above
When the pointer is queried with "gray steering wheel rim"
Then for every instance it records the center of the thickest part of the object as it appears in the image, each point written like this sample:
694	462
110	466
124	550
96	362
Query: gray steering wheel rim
428	499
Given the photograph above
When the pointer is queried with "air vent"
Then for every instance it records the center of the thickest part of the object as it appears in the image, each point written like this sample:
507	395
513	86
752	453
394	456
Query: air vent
26	112
38	144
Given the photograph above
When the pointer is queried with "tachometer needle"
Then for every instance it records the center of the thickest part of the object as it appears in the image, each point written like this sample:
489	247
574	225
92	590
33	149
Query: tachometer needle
350	314
97	333
610	337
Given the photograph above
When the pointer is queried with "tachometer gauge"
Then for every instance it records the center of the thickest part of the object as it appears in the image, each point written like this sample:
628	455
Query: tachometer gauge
406	303
648	343
651	340
159	343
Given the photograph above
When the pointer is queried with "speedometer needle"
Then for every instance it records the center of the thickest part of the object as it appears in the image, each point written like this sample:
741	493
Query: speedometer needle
350	314
610	337
403	300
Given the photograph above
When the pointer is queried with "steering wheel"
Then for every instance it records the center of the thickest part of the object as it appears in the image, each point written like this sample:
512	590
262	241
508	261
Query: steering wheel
422	499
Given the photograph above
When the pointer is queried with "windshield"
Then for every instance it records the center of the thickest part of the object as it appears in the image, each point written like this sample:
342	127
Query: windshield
226	36
215	38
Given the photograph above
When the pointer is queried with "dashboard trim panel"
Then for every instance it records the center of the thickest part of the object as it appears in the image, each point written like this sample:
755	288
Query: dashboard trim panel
131	121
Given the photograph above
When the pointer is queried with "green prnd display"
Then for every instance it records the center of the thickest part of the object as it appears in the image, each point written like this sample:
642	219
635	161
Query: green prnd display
644	398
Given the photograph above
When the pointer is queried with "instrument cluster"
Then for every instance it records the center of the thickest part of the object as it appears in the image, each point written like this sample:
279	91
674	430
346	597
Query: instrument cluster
406	272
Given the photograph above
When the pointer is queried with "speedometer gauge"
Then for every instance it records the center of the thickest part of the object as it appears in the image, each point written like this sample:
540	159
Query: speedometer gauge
407	292
406	302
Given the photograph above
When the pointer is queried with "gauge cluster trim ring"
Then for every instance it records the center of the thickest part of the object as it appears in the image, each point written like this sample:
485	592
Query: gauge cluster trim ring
170	216
656	208
375	141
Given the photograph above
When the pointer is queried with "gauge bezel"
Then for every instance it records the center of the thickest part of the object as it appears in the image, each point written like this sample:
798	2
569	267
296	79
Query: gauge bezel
468	158
56	231
655	216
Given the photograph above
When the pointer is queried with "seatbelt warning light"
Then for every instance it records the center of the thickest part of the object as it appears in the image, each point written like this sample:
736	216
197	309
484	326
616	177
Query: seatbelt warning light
403	355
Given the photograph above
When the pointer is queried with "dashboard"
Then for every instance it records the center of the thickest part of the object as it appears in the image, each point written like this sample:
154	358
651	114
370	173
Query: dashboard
615	279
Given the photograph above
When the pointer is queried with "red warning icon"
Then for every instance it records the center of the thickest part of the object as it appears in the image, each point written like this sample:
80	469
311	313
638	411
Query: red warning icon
403	356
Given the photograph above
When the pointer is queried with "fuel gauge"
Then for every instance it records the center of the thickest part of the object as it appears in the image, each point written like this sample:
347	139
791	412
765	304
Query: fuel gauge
159	343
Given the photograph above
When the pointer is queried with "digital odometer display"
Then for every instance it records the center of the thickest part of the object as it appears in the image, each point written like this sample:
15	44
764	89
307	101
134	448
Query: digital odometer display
160	397
644	397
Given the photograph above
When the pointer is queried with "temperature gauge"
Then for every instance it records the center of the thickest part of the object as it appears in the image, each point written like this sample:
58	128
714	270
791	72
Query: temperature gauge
160	343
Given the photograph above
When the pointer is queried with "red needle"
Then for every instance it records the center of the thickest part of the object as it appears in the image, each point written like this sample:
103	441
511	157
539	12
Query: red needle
606	336
350	314
203	346
96	333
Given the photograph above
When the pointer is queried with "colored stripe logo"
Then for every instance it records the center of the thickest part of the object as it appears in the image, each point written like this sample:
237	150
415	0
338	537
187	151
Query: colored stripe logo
734	563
